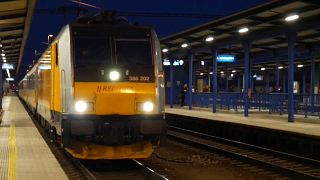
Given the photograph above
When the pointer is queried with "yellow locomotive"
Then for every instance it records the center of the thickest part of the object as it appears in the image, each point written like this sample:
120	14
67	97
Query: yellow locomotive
99	89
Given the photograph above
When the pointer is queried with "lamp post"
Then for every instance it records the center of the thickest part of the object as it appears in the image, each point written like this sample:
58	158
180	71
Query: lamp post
49	36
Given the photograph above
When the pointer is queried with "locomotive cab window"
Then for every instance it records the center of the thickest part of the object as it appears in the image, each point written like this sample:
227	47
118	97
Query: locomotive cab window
92	50
133	51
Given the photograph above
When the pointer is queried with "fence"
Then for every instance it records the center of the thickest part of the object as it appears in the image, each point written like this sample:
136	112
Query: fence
273	102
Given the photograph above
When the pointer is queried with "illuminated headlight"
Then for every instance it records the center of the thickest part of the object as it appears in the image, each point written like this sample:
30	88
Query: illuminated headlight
81	106
148	106
114	75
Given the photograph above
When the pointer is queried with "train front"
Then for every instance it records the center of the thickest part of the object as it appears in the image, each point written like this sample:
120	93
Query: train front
118	102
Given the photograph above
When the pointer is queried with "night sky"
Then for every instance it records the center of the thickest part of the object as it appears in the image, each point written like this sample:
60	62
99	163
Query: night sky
44	24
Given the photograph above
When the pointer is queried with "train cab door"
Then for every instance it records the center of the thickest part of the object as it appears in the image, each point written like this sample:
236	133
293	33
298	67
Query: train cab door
55	79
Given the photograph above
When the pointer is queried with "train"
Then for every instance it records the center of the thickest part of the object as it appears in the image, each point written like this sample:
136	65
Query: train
98	89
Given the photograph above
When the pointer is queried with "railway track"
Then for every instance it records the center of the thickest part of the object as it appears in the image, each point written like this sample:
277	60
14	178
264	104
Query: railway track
293	166
118	169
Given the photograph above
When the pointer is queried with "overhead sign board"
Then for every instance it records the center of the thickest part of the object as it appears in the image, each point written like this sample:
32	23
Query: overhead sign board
166	62
7	66
227	58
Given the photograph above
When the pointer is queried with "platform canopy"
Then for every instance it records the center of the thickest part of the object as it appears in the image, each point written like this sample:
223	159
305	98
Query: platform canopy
266	30
15	21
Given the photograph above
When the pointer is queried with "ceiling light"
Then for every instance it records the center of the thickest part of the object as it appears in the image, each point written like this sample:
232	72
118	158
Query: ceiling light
234	71
243	30
201	74
231	75
202	63
165	50
280	67
211	73
4	60
292	17
0	45
2	54
221	72
184	45
262	69
300	65
209	38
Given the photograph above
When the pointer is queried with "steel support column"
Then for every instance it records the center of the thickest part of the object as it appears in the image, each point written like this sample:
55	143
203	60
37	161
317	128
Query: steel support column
214	81
238	83
227	82
277	72
304	82
190	80
171	83
284	83
291	36
312	78
267	83
246	46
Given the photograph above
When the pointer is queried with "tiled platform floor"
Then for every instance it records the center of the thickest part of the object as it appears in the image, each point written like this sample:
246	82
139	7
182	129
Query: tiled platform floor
308	126
23	152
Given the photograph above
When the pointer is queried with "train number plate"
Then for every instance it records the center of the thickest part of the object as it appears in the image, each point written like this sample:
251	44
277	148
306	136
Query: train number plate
139	78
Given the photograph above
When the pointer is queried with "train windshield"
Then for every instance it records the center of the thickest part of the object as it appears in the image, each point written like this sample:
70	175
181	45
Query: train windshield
133	51
92	50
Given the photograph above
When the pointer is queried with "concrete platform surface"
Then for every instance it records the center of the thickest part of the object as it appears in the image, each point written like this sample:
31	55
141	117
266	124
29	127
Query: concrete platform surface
308	126
23	152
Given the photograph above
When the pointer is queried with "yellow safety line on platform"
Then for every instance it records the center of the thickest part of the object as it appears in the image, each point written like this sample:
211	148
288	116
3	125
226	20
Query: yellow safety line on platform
12	154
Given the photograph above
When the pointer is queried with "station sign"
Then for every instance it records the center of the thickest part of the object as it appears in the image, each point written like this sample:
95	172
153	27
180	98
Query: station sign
166	62
226	58
7	66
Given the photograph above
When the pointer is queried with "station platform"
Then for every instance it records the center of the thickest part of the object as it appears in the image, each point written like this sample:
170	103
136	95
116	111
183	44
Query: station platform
23	152
304	126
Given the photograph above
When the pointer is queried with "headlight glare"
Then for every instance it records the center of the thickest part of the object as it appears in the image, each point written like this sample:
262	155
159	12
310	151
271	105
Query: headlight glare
81	106
114	75
148	106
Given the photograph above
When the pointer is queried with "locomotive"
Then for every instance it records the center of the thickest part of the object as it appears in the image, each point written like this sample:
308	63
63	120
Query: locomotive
98	89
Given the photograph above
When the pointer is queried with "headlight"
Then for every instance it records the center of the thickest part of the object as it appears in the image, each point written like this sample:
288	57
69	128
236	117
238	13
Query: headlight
148	106
81	106
114	75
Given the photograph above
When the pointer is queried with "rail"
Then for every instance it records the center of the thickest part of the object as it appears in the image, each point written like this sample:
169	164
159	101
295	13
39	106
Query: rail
288	164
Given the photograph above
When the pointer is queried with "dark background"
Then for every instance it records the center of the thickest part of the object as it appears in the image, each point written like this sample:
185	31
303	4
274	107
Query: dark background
45	23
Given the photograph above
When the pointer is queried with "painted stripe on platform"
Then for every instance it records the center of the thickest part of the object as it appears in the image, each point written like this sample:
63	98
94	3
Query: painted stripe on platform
12	154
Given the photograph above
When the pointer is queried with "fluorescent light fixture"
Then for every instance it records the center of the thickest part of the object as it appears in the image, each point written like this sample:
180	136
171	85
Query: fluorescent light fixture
184	45
234	71
231	75
10	79
300	65
0	45
202	63
165	50
4	60
209	38
8	73
2	54
280	67
262	69
243	30
254	76
2	50
201	74
221	72
292	17
211	73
